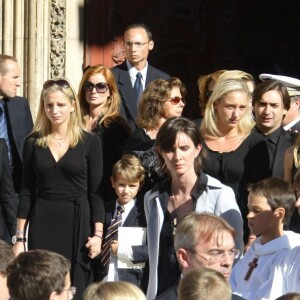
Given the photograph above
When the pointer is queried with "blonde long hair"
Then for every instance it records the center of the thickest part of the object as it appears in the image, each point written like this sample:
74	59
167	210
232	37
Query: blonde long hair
42	126
209	125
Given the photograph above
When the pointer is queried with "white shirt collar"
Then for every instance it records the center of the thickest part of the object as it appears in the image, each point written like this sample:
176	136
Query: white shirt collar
290	125
133	71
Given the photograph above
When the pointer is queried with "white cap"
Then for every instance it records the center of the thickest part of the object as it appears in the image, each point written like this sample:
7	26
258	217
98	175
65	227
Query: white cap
292	84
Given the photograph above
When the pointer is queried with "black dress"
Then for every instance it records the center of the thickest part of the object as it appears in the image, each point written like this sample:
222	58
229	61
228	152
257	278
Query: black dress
249	163
112	138
62	200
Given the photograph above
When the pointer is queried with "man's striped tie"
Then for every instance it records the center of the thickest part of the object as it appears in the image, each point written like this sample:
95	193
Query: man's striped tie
111	235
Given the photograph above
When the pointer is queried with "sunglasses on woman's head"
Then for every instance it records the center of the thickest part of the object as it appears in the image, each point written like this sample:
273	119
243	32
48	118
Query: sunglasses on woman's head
60	82
101	87
176	100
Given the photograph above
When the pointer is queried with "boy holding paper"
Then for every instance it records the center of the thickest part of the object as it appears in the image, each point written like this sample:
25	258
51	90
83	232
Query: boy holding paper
124	254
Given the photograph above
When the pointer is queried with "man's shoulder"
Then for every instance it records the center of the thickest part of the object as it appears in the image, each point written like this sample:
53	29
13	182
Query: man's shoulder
17	100
169	294
121	67
157	72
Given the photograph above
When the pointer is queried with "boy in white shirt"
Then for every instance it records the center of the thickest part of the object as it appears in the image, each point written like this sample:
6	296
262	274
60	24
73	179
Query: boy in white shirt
287	275
127	178
270	204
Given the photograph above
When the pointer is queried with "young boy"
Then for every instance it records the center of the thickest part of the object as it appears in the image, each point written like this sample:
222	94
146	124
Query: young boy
270	203
287	275
127	178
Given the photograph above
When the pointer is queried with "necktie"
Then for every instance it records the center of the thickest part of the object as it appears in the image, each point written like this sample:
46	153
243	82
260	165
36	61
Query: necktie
3	128
111	234
138	87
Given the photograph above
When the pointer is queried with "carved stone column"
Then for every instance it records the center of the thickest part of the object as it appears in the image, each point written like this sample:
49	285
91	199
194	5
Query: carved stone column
45	37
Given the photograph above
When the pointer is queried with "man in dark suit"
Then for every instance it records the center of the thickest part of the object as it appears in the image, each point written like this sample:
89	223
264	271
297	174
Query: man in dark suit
138	43
17	118
8	197
291	121
203	241
271	101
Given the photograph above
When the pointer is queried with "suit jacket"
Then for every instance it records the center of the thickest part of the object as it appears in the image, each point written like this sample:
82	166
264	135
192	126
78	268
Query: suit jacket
19	125
8	197
284	142
128	105
136	218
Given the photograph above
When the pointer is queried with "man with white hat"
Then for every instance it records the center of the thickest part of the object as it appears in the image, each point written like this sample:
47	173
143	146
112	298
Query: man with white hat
291	121
271	102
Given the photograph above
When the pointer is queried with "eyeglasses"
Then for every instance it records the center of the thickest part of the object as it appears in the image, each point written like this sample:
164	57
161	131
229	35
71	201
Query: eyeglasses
217	255
71	290
101	87
176	100
136	44
60	82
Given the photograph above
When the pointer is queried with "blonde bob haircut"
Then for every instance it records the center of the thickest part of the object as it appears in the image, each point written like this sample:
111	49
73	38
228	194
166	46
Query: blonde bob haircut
151	108
209	125
111	108
204	284
130	168
42	126
113	290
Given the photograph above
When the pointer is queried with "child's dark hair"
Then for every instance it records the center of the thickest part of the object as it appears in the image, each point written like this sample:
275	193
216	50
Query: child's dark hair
130	168
278	193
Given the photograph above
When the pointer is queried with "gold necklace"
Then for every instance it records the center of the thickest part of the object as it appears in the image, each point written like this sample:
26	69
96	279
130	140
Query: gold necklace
58	140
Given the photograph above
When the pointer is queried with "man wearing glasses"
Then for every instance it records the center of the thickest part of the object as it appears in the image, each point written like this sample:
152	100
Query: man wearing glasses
133	75
203	241
40	274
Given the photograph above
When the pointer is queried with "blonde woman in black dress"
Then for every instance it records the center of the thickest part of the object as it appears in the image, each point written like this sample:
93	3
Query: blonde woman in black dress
60	189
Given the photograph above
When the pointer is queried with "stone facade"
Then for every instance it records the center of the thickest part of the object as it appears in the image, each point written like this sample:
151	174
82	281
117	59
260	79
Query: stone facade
46	38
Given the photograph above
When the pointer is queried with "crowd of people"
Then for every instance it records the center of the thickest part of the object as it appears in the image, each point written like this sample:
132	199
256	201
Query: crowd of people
112	194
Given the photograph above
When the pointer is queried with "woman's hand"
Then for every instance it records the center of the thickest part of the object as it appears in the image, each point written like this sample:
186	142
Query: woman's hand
94	245
18	248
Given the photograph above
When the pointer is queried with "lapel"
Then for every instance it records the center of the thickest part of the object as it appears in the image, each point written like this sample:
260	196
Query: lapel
132	218
126	90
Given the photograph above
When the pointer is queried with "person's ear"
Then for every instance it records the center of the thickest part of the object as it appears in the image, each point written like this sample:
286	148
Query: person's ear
151	45
53	296
280	213
182	258
73	106
198	150
113	183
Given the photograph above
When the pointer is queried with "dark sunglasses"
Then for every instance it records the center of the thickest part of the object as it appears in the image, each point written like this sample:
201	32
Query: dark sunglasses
60	82
176	100
101	87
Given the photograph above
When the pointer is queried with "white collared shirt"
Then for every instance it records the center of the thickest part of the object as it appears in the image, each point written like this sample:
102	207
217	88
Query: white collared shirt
133	71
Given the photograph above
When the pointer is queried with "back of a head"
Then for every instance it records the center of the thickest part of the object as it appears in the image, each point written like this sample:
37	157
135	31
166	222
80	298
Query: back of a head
118	290
289	296
6	256
204	284
35	274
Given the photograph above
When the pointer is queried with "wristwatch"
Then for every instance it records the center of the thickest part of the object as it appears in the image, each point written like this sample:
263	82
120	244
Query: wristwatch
16	239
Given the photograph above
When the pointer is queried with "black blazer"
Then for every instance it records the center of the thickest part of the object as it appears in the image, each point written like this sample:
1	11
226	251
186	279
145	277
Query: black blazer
128	105
8	197
136	218
284	142
19	123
